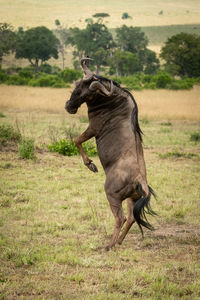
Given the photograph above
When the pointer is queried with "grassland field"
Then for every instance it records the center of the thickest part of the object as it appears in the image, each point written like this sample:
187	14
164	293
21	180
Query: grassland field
55	220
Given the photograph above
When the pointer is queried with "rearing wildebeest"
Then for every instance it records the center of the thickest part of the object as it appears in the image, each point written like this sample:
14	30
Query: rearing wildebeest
113	121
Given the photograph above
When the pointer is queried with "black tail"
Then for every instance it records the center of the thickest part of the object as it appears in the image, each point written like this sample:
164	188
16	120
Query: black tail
141	207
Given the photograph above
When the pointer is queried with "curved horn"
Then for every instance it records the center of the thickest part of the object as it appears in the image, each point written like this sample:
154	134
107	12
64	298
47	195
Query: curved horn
84	64
96	85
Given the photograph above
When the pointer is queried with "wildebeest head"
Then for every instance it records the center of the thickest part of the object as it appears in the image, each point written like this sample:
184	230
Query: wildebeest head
87	88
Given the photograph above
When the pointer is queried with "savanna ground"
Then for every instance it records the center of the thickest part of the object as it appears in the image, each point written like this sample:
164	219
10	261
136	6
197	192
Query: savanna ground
55	219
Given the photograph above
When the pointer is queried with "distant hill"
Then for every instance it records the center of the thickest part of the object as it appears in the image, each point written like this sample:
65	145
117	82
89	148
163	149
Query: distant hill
157	35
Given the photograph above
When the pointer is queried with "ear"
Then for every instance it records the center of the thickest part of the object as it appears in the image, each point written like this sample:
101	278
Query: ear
97	86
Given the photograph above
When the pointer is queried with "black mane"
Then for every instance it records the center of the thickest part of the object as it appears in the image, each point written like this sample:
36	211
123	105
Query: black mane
134	117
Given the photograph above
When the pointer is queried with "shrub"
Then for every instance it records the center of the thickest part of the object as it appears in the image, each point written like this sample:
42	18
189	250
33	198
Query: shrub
8	133
17	80
3	76
2	115
125	15
162	80
196	80
55	70
26	73
68	148
150	85
13	70
181	84
117	79
46	68
26	148
132	82
43	80
64	147
195	137
69	75
90	148
101	15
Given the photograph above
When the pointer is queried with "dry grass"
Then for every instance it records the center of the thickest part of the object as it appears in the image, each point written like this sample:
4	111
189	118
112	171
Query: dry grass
159	105
73	13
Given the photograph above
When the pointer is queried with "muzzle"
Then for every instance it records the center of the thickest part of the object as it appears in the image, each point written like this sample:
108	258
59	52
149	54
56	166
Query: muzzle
70	109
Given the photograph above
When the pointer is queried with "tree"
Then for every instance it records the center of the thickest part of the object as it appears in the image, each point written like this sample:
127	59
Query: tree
94	41
7	39
131	39
101	15
182	54
125	15
37	45
124	63
149	62
63	35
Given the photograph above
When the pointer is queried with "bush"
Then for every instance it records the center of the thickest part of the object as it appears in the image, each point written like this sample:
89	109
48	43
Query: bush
26	73
2	115
46	68
125	15
64	147
195	137
68	148
101	15
3	76
181	84
90	148
150	85
196	80
8	133
162	80
132	82
26	149
43	80
17	80
69	75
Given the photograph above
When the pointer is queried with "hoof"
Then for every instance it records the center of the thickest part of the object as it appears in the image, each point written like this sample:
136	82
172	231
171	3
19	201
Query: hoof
92	167
107	248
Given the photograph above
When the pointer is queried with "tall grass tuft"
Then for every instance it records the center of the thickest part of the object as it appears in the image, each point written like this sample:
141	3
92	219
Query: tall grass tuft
195	137
8	134
2	115
26	148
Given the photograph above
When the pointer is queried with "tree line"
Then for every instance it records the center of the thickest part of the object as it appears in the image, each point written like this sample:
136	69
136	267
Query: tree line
122	53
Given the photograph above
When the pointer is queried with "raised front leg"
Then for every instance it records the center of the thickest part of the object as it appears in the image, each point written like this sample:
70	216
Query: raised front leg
86	135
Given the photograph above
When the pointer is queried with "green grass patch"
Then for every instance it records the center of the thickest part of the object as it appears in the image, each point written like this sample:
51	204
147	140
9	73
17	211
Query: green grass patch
178	154
166	124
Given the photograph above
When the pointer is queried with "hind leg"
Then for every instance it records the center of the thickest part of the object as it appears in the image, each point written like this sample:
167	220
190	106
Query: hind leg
130	220
118	213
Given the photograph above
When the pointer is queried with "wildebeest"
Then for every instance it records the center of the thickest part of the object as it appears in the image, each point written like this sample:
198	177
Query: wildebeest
113	121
